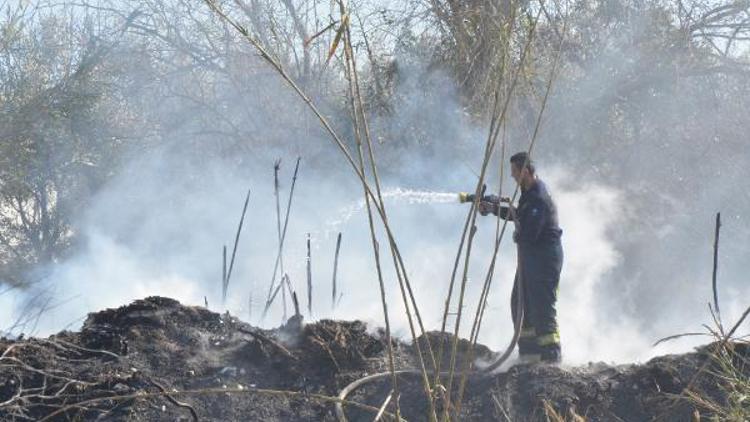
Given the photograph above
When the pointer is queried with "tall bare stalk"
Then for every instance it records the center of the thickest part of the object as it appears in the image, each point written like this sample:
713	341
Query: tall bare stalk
398	263
335	270
234	249
449	296
224	275
334	137
359	170
468	361
489	148
503	68
716	268
351	72
276	168
309	278
271	295
337	140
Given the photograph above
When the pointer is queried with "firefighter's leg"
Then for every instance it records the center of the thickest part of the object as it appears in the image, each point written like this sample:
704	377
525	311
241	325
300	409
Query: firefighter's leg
527	347
545	309
548	336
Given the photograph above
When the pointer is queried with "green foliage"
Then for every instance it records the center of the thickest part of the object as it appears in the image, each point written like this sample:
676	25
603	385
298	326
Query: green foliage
56	145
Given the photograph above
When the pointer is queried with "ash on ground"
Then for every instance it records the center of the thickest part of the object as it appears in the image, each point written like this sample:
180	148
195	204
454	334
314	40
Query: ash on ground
156	359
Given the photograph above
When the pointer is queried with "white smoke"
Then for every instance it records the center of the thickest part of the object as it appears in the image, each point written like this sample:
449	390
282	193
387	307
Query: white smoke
159	227
164	237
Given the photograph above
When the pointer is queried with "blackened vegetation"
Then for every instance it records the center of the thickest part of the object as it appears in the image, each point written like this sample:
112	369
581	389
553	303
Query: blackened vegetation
157	347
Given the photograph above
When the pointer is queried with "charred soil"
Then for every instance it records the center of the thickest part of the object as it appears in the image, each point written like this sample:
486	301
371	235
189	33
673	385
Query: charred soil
156	359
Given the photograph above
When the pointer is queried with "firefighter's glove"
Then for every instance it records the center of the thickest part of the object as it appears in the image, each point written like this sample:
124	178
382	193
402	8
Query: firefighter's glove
512	213
487	207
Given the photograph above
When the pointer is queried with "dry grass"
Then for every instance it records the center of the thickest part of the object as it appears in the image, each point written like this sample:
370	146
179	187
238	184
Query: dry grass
728	367
553	415
730	370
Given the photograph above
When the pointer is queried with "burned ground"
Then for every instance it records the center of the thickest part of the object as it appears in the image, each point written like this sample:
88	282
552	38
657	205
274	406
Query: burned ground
121	363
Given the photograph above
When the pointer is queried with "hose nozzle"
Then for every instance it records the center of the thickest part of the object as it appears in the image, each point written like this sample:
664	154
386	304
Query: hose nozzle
464	197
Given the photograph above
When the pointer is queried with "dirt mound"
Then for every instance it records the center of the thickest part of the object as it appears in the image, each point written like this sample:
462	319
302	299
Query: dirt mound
156	359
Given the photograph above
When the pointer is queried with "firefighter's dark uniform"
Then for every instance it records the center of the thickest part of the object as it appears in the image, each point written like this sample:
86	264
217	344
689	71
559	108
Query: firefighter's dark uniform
541	256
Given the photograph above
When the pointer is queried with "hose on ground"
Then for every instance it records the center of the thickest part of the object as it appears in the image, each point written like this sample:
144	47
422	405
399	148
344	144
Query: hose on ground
341	417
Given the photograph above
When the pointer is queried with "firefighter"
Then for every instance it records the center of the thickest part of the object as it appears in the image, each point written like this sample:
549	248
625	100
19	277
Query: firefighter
540	261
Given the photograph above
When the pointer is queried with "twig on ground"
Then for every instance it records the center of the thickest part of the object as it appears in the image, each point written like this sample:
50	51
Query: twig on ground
173	400
270	341
207	391
676	336
499	408
383	407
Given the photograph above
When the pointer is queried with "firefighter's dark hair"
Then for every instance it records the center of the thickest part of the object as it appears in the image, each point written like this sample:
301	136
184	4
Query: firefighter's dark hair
522	158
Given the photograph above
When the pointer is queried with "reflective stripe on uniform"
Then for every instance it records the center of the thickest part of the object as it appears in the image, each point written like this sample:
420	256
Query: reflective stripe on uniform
548	339
530	358
528	332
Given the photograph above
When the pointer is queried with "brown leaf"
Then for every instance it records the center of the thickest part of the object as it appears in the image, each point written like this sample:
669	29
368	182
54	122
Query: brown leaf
339	34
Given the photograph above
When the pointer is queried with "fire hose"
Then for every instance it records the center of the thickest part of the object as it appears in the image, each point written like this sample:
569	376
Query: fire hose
341	416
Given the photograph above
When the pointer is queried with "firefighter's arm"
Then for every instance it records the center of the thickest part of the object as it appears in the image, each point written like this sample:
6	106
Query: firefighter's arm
490	204
507	212
532	221
486	207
